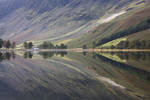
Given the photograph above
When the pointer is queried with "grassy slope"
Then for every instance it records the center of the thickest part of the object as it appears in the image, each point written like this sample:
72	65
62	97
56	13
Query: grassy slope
143	35
122	22
105	30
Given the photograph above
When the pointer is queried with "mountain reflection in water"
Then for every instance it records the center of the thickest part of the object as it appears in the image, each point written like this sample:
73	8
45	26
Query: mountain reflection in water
74	76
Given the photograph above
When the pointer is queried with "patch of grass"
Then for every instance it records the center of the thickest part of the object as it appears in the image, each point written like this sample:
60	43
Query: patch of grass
113	43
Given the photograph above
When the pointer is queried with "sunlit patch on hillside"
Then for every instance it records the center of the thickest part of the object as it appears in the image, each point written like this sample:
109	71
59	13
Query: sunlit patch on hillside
113	43
110	18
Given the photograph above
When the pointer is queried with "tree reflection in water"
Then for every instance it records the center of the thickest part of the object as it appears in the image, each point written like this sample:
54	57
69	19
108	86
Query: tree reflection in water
47	55
133	55
7	56
28	55
144	74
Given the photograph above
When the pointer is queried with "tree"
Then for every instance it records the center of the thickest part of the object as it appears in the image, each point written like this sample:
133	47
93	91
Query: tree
51	46
47	45
126	44
112	47
143	43
30	45
8	44
62	46
138	44
1	43
56	47
123	45
120	45
149	44
44	45
94	44
25	44
65	47
84	47
13	45
4	43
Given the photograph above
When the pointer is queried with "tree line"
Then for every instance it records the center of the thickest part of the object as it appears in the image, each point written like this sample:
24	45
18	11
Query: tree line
49	45
7	44
28	45
45	45
136	44
47	55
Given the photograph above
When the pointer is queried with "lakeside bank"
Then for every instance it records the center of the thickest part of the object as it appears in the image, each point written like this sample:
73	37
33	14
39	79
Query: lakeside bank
77	50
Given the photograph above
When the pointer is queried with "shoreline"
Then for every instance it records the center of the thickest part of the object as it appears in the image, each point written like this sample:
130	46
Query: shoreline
77	50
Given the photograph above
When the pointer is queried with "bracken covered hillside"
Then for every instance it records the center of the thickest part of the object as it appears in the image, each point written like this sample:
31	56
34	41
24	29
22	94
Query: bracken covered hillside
131	26
23	20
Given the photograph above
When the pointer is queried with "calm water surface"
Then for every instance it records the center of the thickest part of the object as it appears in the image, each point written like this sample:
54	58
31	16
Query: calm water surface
74	76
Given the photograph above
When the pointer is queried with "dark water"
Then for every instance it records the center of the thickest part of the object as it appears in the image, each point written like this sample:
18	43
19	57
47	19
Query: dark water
74	76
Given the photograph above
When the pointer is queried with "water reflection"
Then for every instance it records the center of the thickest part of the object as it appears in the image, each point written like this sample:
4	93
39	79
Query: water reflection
7	56
75	76
84	53
130	68
122	55
28	55
45	55
51	54
131	55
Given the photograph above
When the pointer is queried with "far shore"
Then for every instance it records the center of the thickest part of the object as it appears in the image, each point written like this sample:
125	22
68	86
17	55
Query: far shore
77	50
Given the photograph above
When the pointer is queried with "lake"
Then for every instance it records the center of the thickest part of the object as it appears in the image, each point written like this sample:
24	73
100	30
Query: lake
75	76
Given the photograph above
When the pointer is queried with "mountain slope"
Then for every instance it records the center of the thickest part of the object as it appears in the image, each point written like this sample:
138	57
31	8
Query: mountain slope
107	31
55	20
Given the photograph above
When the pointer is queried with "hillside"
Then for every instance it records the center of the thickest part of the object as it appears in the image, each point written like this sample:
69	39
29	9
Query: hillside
125	27
23	20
